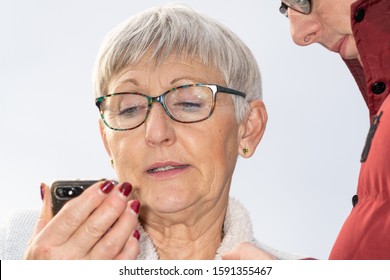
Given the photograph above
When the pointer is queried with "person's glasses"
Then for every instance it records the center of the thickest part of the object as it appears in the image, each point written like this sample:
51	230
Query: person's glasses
186	104
301	6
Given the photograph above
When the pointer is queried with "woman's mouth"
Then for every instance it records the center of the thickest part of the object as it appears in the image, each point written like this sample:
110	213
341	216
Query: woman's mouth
166	170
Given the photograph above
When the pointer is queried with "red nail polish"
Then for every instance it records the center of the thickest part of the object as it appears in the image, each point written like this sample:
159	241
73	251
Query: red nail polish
107	186
136	234
125	189
135	205
42	191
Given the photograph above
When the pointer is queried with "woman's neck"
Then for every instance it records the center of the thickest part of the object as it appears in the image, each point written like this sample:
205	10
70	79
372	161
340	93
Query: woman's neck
199	239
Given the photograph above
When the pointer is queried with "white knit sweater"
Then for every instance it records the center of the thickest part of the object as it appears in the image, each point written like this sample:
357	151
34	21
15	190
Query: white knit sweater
16	230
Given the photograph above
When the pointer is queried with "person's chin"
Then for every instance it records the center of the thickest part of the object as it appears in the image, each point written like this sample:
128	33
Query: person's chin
346	47
169	200
349	53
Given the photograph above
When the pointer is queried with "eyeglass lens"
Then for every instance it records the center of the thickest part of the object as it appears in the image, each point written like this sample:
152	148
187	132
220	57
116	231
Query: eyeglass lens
301	6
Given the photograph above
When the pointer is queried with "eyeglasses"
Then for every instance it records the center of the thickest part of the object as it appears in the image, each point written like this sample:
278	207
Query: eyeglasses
301	6
185	104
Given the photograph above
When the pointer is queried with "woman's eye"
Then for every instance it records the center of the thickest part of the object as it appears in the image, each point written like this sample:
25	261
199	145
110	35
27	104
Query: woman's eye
188	106
131	111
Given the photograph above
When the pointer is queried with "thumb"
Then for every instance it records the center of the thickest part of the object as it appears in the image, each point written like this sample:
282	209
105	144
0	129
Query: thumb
46	212
247	251
232	255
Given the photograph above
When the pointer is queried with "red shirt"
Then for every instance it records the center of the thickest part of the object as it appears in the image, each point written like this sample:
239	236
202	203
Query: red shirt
366	232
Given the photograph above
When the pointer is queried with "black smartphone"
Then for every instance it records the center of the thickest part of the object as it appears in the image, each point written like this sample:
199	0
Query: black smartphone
64	190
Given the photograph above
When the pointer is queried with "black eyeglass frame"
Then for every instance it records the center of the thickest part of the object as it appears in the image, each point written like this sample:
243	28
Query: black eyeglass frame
161	99
285	6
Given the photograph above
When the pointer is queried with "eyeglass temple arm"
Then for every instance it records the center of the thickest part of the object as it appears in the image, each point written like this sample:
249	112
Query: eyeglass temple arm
230	91
98	101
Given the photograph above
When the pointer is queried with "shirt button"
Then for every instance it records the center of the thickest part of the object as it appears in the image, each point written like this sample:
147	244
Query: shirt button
355	200
378	87
359	15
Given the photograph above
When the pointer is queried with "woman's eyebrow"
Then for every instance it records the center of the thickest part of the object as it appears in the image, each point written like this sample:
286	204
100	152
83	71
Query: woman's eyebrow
133	81
174	81
188	78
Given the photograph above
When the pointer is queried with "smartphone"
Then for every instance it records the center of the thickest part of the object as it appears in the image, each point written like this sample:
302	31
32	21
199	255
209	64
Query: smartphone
64	190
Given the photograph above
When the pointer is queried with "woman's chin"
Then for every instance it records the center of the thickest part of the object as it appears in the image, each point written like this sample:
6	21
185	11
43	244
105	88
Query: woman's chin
169	202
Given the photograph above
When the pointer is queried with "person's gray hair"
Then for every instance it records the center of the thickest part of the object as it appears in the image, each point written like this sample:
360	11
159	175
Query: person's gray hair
178	30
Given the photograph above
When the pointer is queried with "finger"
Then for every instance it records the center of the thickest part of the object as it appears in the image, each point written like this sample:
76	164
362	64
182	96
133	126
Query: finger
101	220
43	219
75	213
131	249
115	240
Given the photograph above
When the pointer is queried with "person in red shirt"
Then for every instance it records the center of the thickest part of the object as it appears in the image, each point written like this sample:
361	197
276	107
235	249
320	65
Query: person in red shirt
359	30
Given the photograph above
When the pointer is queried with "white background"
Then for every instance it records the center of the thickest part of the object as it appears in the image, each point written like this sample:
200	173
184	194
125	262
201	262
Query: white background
299	184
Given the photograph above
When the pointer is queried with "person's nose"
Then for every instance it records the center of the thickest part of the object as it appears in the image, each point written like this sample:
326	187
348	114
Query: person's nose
305	29
159	127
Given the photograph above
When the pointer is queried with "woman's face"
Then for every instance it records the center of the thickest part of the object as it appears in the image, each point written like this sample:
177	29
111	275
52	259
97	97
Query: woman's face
174	166
328	24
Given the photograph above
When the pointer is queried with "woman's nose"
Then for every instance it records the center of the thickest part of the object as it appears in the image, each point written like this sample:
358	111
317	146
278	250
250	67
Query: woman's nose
159	127
305	29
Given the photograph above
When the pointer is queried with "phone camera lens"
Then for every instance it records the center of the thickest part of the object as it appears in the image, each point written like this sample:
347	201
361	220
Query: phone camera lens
60	192
68	192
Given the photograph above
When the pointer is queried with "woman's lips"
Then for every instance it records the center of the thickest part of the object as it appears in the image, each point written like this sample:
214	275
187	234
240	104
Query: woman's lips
166	169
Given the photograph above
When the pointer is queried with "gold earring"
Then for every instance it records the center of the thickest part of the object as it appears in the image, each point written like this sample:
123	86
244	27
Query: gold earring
245	150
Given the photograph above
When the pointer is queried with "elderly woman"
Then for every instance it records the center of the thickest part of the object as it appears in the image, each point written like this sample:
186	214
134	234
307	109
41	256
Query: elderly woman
180	99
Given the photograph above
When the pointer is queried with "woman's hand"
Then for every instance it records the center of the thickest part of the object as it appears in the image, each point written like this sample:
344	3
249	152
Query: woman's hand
99	224
247	251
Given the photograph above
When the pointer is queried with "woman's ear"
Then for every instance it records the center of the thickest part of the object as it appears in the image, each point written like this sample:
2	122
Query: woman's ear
251	130
103	134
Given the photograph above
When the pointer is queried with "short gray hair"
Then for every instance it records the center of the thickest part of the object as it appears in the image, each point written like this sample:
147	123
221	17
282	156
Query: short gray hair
176	29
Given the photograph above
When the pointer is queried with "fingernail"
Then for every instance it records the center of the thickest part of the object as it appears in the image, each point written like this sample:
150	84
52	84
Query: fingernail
125	189
42	191
136	234
135	205
107	186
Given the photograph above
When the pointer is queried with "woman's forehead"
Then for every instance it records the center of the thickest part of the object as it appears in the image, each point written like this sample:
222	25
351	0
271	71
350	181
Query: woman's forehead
171	70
